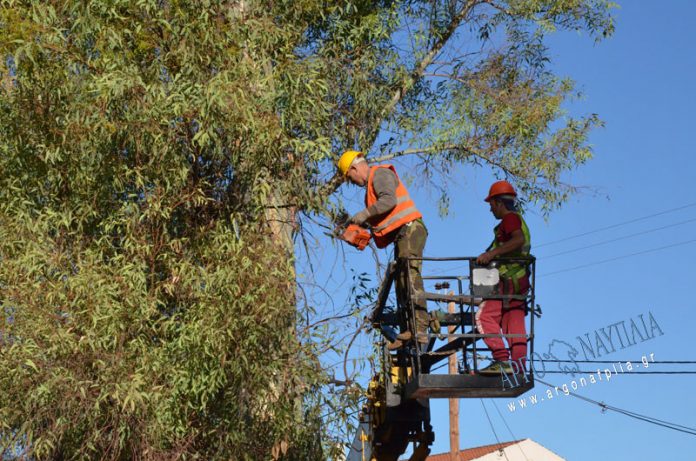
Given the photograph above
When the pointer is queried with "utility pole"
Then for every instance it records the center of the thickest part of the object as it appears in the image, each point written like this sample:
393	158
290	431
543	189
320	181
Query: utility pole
453	403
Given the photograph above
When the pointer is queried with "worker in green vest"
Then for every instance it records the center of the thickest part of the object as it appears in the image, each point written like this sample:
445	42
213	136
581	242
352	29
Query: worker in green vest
506	316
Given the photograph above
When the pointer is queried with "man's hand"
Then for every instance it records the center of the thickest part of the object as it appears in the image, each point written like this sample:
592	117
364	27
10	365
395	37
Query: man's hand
514	244
485	258
360	217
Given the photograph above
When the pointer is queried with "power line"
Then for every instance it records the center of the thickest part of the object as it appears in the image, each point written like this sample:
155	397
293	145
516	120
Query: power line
616	239
500	445
617	361
439	367
628	373
509	430
671	210
595	263
594	231
631	414
631	373
652	362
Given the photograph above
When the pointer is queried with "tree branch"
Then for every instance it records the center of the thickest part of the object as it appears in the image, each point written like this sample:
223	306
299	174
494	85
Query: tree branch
335	182
420	68
499	7
434	149
350	344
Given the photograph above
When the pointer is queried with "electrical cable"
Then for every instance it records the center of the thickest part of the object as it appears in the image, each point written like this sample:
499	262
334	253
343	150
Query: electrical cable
439	367
509	430
655	362
616	225
632	373
500	445
617	361
623	237
631	414
594	231
596	263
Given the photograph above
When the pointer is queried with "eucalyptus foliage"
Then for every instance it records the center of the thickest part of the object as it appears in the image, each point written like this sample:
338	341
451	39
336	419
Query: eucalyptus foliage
154	159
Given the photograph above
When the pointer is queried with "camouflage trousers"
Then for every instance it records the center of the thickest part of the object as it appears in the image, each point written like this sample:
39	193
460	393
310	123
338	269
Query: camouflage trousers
410	243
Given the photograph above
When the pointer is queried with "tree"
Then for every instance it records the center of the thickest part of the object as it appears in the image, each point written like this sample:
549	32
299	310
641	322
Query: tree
158	160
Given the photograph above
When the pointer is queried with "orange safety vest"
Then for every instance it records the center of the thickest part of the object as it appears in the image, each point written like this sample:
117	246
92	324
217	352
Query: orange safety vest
405	211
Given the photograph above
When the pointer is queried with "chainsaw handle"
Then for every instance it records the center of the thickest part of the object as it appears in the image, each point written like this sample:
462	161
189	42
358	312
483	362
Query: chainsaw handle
357	236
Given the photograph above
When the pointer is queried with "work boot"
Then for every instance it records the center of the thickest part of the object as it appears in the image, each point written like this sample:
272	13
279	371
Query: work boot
400	341
497	368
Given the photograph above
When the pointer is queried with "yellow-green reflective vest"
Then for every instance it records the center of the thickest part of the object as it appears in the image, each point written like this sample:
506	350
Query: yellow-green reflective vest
514	271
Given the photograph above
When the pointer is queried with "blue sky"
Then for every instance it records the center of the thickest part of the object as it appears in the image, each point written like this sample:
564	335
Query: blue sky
642	83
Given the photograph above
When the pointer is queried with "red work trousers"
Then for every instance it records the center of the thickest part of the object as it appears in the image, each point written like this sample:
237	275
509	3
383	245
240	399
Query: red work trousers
491	318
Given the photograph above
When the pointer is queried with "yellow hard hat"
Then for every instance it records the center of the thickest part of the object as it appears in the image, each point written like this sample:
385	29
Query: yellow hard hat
347	159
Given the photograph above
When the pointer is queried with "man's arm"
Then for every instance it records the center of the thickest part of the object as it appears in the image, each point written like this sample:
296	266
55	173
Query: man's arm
384	183
515	243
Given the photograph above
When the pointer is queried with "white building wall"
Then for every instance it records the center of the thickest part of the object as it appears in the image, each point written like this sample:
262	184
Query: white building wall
526	450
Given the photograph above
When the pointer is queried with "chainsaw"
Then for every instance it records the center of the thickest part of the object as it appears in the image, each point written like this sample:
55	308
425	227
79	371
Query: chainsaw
354	235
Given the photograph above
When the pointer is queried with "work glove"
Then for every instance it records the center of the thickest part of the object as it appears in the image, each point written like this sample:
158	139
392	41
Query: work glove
435	318
360	217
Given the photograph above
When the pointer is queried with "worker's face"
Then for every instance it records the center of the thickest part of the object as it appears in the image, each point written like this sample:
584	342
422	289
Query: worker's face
497	208
357	173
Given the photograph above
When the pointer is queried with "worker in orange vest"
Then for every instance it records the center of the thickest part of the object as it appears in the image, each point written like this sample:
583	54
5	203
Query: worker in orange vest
393	218
511	239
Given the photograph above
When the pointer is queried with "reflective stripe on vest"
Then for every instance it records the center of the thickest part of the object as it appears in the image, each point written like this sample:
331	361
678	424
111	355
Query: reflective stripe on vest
514	271
404	212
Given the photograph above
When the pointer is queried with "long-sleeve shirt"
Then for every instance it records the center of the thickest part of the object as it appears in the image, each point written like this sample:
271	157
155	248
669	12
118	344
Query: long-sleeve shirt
384	182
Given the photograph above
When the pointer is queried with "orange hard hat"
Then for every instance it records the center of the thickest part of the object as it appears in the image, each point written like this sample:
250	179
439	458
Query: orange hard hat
500	188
